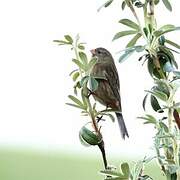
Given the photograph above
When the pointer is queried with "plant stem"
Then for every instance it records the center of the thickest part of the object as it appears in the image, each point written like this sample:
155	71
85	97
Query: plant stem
91	112
175	143
95	126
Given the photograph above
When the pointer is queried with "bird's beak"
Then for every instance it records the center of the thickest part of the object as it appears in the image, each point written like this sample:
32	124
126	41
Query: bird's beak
93	51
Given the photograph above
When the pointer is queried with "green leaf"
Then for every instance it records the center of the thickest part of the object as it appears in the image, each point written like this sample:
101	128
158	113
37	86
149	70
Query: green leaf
106	4
159	95
75	76
150	66
68	38
61	42
144	102
165	29
149	119
156	2
133	41
81	47
167	4
83	142
83	58
76	106
155	105
125	169
164	126
123	33
162	86
146	32
129	23
84	80
139	48
168	67
92	62
89	136
76	100
123	5
79	64
172	43
129	51
126	55
77	85
93	83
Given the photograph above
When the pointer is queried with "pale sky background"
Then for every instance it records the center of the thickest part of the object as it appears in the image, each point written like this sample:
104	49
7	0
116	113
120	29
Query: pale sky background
34	81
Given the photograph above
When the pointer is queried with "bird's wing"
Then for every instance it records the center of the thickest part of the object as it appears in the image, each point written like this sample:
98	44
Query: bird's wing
111	74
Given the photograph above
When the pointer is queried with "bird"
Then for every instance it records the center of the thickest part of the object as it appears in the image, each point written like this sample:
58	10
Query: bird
108	90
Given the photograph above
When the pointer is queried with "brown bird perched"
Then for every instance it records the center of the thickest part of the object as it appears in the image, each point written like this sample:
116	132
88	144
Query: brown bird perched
108	89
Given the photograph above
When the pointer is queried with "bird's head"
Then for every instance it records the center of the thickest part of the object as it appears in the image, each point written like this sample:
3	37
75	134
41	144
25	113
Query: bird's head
102	54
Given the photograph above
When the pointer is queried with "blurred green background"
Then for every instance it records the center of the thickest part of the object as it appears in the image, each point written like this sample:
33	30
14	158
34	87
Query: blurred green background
36	165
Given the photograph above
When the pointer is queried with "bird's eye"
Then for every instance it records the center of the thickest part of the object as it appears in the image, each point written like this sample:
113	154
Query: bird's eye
98	51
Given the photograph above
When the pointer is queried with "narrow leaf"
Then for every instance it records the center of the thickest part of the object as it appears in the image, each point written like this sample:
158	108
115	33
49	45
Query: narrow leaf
106	4
126	55
81	47
123	5
92	62
159	95
76	106
133	41
167	4
75	76
129	23
83	58
155	104
123	33
76	100
79	64
150	119
69	38
159	33
144	102
166	27
61	42
172	43
156	2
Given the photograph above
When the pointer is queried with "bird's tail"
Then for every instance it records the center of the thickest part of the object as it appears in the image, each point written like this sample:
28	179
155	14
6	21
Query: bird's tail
122	125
